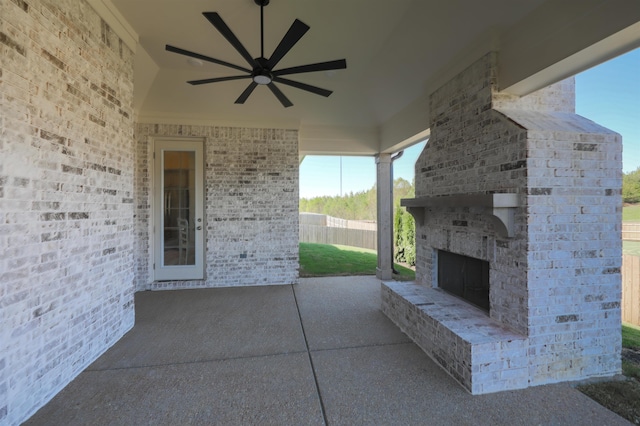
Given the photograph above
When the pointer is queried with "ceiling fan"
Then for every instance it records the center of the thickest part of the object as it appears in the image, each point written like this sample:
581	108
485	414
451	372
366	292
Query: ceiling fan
262	69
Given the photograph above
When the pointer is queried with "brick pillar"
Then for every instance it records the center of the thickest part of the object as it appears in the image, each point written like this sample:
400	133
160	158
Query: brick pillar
384	271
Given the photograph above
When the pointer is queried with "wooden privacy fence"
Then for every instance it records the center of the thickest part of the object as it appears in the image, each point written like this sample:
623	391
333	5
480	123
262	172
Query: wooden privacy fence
631	289
631	277
631	231
323	229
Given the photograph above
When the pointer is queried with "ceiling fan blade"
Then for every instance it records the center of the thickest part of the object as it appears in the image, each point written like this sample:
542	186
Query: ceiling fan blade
243	97
218	79
226	32
281	97
303	86
295	33
320	66
204	58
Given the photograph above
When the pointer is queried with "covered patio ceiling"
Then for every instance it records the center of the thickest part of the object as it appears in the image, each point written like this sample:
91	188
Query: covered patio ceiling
397	53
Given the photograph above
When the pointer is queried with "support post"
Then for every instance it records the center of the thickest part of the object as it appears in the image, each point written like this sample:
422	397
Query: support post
384	185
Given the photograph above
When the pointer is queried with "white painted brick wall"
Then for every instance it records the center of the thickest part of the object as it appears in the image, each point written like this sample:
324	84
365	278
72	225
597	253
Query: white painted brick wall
66	202
251	205
557	281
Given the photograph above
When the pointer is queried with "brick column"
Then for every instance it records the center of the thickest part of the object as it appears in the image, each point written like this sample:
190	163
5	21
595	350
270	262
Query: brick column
384	185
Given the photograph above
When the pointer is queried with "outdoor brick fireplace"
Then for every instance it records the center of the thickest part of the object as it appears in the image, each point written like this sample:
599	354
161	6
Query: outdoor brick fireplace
531	191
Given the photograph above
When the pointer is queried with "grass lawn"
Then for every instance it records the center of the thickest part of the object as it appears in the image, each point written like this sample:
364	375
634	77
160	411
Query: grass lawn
631	348
631	247
631	213
319	260
630	336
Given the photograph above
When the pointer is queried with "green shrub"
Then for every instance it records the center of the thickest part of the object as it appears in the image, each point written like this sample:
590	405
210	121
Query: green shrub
404	238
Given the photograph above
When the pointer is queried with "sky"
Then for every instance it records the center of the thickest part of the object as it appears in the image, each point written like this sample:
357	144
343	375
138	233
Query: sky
608	94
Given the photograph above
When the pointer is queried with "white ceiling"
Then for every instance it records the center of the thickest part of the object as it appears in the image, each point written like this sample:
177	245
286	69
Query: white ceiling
397	52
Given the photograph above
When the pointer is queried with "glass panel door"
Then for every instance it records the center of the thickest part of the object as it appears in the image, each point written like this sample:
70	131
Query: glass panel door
178	212
179	208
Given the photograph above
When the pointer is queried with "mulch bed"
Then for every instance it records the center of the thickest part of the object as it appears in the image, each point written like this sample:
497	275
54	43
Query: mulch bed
621	396
631	355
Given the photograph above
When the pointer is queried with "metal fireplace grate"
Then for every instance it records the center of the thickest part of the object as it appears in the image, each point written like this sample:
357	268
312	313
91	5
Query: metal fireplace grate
465	277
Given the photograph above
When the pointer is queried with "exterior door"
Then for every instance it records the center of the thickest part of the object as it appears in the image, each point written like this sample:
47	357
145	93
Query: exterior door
178	210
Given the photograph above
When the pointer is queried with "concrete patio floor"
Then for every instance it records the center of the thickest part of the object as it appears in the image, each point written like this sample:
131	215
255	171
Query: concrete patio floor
317	353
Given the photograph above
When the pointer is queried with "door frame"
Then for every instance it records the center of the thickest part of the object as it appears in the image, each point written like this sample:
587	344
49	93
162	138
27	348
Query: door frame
176	273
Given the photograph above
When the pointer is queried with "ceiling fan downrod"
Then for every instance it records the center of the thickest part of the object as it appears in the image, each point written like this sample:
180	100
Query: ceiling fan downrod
262	4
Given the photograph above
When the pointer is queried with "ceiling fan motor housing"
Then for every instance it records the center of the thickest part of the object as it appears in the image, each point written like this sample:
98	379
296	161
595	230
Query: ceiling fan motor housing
261	74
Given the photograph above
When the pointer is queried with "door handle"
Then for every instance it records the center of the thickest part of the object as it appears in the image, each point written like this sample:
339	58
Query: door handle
199	228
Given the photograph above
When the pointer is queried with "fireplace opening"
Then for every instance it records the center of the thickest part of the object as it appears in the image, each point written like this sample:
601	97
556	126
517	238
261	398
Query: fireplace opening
465	277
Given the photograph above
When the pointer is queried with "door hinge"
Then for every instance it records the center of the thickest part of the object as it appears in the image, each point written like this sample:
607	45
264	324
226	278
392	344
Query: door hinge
154	266
154	155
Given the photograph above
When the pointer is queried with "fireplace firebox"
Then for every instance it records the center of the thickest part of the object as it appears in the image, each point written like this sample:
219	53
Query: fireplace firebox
465	277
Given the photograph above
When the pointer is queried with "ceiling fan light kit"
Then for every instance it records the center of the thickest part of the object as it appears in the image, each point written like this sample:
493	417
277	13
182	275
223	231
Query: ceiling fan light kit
262	69
261	74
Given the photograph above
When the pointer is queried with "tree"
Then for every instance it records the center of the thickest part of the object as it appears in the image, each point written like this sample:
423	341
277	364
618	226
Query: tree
631	186
356	206
352	206
363	206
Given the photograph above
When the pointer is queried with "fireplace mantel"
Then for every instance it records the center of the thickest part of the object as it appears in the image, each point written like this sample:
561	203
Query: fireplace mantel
500	208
